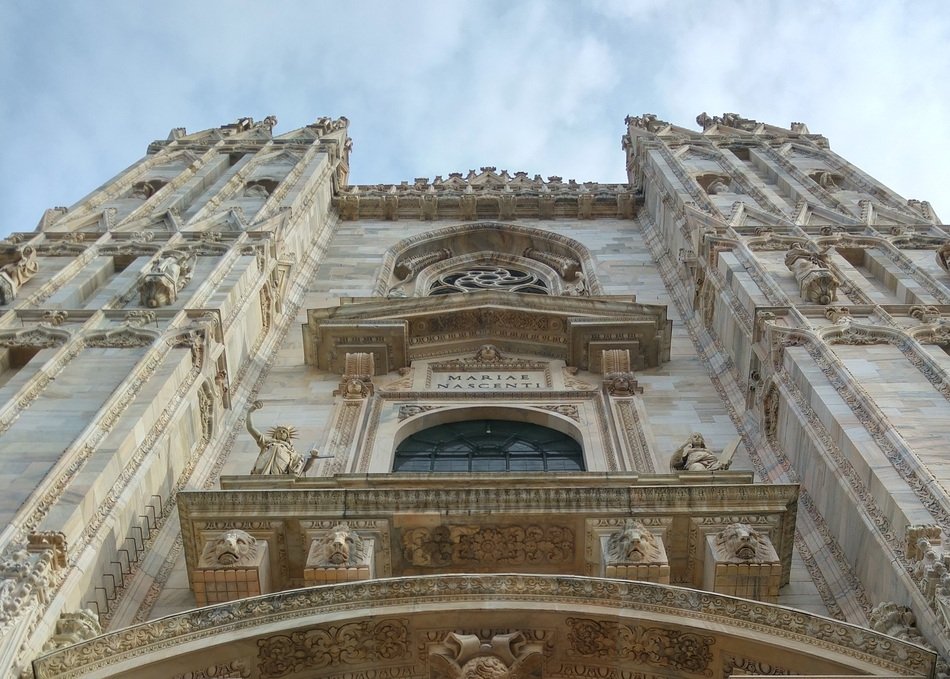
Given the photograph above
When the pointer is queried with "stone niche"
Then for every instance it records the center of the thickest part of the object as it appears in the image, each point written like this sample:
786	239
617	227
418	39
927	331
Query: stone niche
740	561
232	565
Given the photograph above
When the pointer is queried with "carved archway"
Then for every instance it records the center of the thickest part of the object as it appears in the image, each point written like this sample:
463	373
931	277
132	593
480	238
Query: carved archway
419	626
405	260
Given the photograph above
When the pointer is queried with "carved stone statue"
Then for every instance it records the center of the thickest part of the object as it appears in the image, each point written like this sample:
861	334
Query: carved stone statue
694	456
278	455
71	628
488	353
943	256
17	266
341	546
168	275
740	541
633	544
231	548
816	283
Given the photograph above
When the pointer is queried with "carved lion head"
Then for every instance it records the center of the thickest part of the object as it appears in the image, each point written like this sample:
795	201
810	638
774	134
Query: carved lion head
635	543
231	547
739	540
341	544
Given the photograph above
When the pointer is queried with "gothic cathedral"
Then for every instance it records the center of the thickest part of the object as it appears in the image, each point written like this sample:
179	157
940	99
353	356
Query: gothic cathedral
258	422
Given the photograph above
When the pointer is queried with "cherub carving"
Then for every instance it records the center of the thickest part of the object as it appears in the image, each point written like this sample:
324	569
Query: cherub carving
278	455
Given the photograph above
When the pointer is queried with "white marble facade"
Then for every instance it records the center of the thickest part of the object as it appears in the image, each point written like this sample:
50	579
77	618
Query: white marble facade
747	284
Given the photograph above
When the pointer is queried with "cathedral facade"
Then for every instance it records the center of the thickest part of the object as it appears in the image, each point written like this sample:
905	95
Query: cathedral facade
256	421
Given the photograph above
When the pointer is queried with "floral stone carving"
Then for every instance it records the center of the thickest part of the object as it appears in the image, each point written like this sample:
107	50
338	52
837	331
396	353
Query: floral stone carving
480	545
655	646
333	645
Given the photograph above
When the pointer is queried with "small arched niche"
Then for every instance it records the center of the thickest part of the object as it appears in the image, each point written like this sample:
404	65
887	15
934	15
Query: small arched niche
487	439
412	263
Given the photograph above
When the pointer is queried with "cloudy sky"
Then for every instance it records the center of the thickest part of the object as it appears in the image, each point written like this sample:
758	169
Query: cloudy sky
432	88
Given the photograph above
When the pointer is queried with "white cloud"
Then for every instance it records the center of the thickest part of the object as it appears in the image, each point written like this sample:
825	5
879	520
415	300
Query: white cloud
436	87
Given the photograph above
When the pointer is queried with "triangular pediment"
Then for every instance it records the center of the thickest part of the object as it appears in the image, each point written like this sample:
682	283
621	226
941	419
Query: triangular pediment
573	329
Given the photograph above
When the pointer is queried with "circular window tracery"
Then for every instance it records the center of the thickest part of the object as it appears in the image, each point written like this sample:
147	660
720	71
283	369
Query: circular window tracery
488	278
488	446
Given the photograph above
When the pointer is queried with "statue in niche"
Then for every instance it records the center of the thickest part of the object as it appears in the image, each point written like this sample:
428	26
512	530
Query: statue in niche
816	283
717	185
278	455
165	279
17	266
694	456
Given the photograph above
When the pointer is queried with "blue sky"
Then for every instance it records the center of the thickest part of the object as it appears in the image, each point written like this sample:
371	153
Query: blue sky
433	88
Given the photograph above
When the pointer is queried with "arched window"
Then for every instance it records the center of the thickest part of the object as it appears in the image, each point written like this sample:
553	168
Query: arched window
488	446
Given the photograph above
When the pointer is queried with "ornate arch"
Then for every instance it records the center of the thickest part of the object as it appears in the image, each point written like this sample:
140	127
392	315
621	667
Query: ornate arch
405	260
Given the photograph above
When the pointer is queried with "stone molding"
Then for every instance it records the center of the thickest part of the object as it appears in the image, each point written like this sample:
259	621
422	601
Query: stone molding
573	329
801	635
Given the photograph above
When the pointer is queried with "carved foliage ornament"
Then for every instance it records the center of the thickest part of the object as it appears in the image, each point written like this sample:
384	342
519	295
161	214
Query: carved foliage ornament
502	545
333	645
610	641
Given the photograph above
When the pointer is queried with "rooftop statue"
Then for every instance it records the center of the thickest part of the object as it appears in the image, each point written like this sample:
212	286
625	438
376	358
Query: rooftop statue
278	455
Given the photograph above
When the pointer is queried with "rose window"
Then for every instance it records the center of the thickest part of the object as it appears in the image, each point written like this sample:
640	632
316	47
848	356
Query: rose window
488	278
